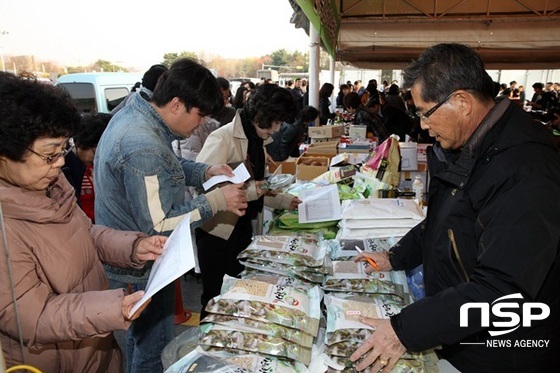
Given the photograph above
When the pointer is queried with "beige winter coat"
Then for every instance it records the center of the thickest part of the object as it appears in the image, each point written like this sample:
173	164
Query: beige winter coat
66	313
228	144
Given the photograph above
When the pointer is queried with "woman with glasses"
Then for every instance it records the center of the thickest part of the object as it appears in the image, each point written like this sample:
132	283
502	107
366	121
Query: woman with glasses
56	313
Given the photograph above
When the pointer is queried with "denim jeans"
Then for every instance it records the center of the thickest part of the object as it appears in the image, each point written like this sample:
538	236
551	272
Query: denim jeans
151	332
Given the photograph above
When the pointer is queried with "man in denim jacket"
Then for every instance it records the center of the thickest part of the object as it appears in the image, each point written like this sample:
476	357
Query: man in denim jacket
140	185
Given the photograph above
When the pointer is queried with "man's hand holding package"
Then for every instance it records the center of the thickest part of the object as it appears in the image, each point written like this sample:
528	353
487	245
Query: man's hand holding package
384	347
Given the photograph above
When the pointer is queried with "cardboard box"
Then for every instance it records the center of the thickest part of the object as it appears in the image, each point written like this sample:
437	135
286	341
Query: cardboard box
286	167
330	147
326	132
357	131
358	146
319	140
409	156
309	167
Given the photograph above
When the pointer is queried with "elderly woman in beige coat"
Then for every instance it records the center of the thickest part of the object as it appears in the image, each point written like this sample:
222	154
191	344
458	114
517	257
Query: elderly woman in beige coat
56	313
224	236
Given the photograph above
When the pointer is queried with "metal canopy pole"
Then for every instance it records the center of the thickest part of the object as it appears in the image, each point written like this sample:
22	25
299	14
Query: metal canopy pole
314	57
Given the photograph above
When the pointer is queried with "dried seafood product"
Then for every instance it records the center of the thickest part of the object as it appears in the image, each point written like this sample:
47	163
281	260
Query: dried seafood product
261	301
285	249
213	335
260	327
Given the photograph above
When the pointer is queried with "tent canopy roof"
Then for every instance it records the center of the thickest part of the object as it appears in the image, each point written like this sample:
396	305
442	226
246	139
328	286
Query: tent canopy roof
508	34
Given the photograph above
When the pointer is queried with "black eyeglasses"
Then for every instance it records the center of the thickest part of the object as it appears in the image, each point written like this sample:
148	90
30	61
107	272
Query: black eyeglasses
425	116
50	159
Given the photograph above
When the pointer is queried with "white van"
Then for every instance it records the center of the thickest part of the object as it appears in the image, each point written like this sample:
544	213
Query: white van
98	92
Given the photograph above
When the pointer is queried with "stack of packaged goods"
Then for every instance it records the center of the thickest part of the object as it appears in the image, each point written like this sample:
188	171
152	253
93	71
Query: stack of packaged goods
289	256
350	278
345	333
200	361
274	320
378	218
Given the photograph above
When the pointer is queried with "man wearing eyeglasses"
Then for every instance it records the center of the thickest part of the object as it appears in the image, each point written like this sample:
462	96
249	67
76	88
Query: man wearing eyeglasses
492	229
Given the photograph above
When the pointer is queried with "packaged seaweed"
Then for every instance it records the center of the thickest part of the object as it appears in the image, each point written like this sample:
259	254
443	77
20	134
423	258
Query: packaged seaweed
260	327
214	335
198	361
285	249
343	270
371	285
261	301
356	336
275	279
257	362
305	273
344	249
345	313
402	366
325	268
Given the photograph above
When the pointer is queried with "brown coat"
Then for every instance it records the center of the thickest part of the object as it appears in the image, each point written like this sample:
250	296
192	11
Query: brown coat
66	313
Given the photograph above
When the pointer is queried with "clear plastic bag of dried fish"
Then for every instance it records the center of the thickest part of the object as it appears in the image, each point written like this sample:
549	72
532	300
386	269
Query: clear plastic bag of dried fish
261	301
258	362
352	277
221	336
261	327
290	250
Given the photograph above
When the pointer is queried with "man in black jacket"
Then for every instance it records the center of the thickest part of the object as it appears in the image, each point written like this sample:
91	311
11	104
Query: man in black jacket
491	240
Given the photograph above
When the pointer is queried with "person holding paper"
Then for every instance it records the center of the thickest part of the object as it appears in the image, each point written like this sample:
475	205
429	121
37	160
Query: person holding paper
490	243
56	312
140	184
223	237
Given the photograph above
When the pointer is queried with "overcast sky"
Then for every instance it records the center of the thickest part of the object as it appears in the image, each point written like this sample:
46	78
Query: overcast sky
136	34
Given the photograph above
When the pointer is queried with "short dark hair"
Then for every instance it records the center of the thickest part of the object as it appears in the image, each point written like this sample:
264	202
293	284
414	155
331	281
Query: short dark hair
447	67
30	110
538	85
308	114
223	83
352	100
193	84
91	129
150	78
270	103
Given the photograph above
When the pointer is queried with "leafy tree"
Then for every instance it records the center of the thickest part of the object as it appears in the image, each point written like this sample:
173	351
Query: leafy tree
107	66
281	57
169	58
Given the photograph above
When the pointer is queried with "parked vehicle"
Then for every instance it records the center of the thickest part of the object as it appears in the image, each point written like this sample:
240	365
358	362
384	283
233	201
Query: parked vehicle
98	92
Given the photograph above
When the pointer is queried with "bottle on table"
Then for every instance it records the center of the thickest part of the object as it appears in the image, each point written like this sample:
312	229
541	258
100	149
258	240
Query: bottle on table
418	188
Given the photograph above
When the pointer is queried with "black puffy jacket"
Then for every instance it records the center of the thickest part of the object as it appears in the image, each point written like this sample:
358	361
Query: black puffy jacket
492	229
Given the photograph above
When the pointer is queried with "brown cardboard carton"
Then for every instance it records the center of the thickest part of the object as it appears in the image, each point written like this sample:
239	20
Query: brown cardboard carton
324	132
309	167
330	147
